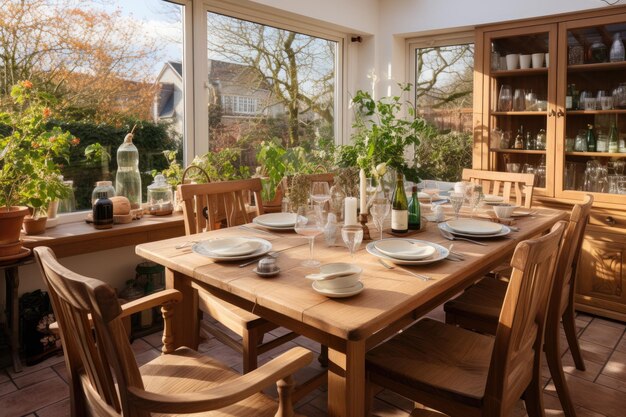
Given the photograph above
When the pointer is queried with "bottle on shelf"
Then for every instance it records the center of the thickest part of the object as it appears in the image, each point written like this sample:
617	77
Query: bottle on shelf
102	211
569	97
414	210
613	139
529	142
575	98
128	178
519	139
617	49
591	139
399	207
540	141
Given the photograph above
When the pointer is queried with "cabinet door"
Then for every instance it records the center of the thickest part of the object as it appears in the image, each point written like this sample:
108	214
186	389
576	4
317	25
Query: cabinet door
591	92
600	282
520	93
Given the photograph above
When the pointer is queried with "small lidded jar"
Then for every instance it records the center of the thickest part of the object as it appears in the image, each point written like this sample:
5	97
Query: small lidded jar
160	198
103	212
102	186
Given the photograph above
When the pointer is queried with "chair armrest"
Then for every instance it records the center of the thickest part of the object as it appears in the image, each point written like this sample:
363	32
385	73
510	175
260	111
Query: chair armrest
138	305
227	393
153	300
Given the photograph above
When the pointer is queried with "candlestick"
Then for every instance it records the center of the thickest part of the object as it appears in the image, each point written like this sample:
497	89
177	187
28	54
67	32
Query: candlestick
366	230
350	211
363	190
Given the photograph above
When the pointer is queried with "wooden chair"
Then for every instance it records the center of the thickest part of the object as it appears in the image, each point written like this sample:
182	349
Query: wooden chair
228	200
462	373
105	380
505	184
478	308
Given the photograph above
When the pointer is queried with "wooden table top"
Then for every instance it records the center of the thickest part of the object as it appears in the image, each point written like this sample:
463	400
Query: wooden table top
388	295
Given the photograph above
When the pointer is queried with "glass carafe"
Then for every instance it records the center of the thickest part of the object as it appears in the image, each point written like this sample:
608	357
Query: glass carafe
617	49
128	179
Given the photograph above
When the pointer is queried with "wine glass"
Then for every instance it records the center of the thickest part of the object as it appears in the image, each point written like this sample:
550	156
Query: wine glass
432	189
370	190
352	236
476	197
309	224
380	210
320	193
456	200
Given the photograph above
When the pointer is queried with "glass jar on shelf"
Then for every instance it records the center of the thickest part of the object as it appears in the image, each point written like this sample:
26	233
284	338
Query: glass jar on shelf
102	186
580	145
540	140
619	96
617	49
598	52
160	197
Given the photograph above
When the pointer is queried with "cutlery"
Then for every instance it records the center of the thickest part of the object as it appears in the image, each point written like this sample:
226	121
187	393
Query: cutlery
185	244
389	266
455	254
450	236
254	229
270	254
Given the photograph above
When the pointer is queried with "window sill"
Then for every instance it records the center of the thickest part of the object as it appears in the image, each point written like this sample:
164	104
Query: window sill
78	237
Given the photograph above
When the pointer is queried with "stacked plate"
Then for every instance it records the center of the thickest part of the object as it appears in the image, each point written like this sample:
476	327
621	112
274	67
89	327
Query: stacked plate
493	199
276	221
337	280
232	248
407	251
474	228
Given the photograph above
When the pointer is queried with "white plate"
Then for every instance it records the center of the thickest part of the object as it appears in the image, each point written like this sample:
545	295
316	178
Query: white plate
341	292
505	231
201	249
231	246
279	220
404	249
441	253
474	227
490	198
425	197
522	213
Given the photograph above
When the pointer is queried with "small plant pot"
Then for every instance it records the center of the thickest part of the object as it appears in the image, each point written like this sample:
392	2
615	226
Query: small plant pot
10	227
35	226
276	205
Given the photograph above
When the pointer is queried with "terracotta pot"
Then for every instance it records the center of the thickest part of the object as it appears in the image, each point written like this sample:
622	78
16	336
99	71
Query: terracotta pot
274	206
35	226
10	227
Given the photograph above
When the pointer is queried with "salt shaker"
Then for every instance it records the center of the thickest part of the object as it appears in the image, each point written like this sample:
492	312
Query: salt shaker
330	230
438	213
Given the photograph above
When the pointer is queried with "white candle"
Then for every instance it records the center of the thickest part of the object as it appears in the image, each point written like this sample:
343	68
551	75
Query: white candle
350	211
363	191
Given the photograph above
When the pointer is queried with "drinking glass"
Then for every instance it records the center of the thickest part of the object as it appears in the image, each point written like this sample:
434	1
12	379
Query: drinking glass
432	189
309	224
475	197
371	188
456	200
519	100
505	99
320	193
352	236
380	210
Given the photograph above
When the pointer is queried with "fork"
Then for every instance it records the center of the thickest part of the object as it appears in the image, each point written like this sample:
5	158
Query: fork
450	236
420	276
455	254
185	244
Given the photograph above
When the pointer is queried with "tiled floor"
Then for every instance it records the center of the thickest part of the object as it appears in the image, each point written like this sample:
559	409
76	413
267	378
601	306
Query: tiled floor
42	391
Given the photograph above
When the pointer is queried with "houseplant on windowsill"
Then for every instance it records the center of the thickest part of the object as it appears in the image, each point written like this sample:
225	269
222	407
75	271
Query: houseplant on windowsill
30	154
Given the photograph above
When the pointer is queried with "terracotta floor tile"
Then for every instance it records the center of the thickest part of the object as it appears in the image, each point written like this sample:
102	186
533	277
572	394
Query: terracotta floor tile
34	377
553	408
594	397
611	323
592	369
616	366
622	344
21	402
311	411
155	339
60	409
307	343
61	369
4	377
593	352
6	388
607	381
584	317
383	409
600	333
41	365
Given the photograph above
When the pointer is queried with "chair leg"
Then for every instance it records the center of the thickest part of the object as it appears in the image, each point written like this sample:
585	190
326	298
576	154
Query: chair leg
553	358
533	400
250	352
569	325
323	357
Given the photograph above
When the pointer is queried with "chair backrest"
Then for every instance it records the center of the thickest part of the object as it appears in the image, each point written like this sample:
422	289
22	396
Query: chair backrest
519	338
506	184
97	356
205	205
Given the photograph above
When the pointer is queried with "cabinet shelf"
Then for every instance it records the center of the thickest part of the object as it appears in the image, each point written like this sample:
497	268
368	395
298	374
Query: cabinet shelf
523	151
582	112
605	154
519	113
603	66
519	72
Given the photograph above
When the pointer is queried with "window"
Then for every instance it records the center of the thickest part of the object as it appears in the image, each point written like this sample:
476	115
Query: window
266	82
442	74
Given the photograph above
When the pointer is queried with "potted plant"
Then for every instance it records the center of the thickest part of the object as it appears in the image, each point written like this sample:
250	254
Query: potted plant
31	153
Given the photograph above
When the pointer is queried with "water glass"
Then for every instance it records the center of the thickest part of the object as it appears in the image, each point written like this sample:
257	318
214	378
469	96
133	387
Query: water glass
476	197
381	207
320	193
431	188
519	100
352	236
309	224
505	99
456	200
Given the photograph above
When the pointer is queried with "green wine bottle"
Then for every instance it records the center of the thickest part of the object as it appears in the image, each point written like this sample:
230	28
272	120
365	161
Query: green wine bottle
591	139
613	139
414	210
399	208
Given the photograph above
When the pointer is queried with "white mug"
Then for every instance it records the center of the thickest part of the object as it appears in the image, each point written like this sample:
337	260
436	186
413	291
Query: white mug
512	61
524	61
547	60
538	60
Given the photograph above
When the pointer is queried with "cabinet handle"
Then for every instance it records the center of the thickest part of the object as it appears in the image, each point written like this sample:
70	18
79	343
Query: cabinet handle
560	113
552	113
610	220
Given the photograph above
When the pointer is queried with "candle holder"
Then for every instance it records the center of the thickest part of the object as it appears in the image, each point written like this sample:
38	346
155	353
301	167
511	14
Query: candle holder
366	230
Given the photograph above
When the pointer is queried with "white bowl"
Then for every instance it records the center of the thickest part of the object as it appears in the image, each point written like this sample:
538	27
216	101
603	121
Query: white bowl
338	282
504	210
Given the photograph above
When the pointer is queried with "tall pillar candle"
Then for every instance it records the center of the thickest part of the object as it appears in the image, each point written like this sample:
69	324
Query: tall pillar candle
363	191
350	211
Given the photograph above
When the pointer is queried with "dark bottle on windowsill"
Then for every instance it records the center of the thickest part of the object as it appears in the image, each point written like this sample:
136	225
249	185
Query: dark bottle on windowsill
103	212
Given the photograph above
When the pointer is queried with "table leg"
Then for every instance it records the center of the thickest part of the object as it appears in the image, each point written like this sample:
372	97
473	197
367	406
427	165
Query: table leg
185	324
12	286
346	380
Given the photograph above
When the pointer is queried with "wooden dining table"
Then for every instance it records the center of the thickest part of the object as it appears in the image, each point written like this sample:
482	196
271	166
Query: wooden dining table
392	298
